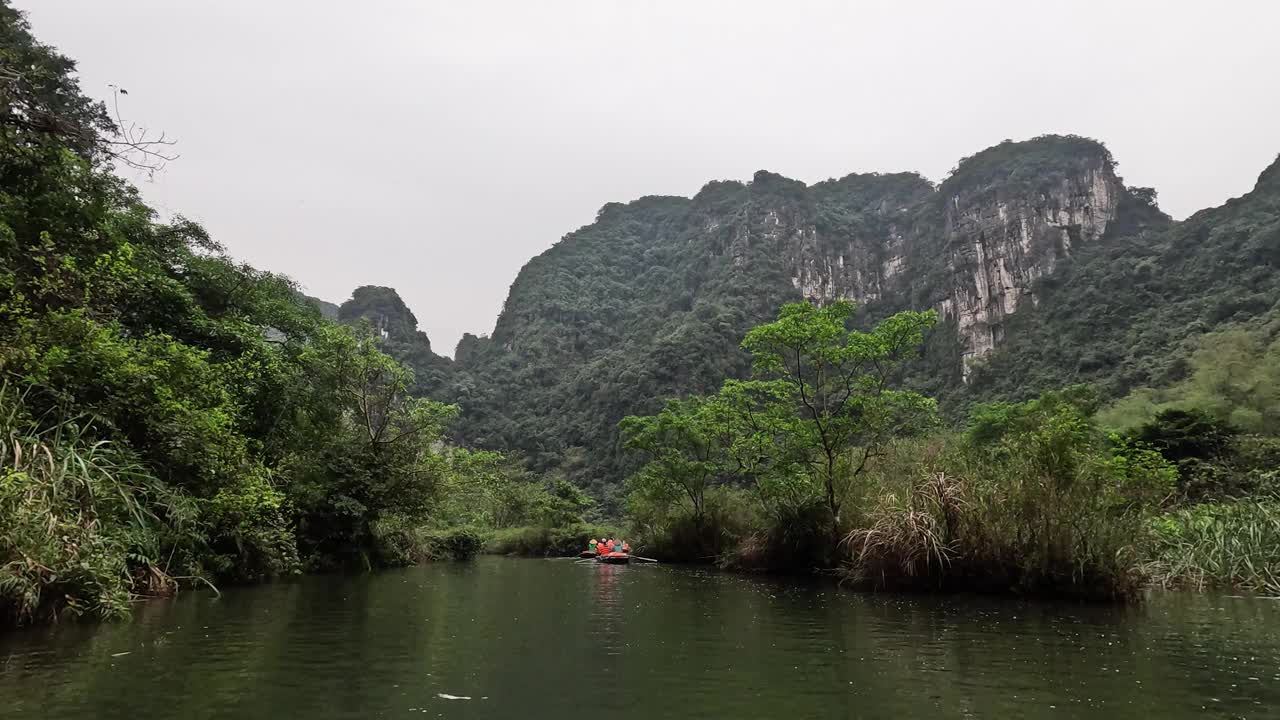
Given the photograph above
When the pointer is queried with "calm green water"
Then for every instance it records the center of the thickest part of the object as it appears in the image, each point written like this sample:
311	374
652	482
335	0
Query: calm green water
537	639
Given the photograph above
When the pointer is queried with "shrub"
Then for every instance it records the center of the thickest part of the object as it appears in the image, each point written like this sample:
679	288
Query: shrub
1034	498
910	540
460	543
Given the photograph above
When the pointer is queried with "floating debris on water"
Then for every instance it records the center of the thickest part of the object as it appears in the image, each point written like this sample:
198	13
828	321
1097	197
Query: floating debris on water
447	696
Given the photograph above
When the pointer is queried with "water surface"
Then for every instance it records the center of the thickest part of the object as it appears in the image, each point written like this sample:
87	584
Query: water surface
559	640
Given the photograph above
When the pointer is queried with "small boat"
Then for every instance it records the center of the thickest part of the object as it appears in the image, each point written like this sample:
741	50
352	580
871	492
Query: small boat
615	558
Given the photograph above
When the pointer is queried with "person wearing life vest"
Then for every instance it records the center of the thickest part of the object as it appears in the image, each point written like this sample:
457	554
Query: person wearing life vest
602	547
626	548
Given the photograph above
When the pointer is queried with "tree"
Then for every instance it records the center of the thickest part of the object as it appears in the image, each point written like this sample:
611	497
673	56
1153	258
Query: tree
840	382
370	452
687	450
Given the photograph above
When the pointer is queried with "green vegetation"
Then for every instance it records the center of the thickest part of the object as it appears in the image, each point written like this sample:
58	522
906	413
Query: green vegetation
85	522
169	416
545	541
1035	164
1234	544
1132	310
648	302
819	463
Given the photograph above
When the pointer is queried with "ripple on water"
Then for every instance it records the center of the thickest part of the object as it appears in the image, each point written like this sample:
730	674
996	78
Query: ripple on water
548	639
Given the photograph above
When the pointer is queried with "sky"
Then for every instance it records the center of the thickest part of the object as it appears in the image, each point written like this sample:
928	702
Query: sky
436	146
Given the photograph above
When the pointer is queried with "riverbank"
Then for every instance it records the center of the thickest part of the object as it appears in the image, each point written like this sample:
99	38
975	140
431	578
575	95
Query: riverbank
1230	545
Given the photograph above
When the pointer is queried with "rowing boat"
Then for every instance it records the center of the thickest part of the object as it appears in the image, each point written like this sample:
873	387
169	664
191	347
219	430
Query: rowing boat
615	558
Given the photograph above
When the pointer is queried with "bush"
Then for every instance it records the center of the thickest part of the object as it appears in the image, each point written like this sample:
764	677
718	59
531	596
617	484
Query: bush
462	543
250	524
794	536
910	541
398	543
1034	498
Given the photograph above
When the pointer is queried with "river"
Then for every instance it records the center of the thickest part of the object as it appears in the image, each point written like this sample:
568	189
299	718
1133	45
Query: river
560	640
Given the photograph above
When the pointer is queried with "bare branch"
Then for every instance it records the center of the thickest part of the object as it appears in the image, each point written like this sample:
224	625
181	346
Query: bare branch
134	148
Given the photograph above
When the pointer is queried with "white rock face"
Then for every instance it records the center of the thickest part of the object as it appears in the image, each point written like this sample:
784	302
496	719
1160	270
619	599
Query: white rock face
999	248
975	260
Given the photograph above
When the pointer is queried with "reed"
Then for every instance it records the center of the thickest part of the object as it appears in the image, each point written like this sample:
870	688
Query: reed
83	526
1232	544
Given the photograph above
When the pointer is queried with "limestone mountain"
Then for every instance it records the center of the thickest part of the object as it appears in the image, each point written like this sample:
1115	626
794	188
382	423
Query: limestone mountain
1127	312
393	321
1015	249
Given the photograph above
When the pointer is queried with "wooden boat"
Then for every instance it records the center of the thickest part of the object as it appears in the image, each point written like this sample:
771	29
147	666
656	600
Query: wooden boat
615	558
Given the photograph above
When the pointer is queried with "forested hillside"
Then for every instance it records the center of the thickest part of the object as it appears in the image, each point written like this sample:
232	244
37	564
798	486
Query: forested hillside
1129	312
651	300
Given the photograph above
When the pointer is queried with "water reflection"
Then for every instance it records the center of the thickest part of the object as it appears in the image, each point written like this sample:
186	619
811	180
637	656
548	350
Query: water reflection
559	639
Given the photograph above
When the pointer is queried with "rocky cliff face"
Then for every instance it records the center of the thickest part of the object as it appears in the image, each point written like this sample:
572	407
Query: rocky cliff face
994	233
999	242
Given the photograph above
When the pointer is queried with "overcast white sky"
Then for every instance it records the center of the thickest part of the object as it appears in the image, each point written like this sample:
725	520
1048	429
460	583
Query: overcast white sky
436	146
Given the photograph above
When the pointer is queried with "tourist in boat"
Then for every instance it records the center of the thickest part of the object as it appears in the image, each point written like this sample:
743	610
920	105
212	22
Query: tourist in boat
625	547
603	547
591	546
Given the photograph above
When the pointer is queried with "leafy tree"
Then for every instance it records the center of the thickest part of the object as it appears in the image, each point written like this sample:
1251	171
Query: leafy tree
205	420
372	451
840	383
687	450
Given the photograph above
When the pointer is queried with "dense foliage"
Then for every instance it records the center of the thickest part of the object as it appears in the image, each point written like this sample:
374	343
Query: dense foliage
648	302
820	461
1129	311
1046	496
168	414
392	321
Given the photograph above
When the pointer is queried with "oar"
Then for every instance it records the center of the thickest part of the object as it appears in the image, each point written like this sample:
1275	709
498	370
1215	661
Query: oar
637	557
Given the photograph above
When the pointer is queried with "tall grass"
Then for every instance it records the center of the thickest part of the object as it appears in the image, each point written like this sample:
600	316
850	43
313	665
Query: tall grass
1232	544
84	528
1046	512
911	539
